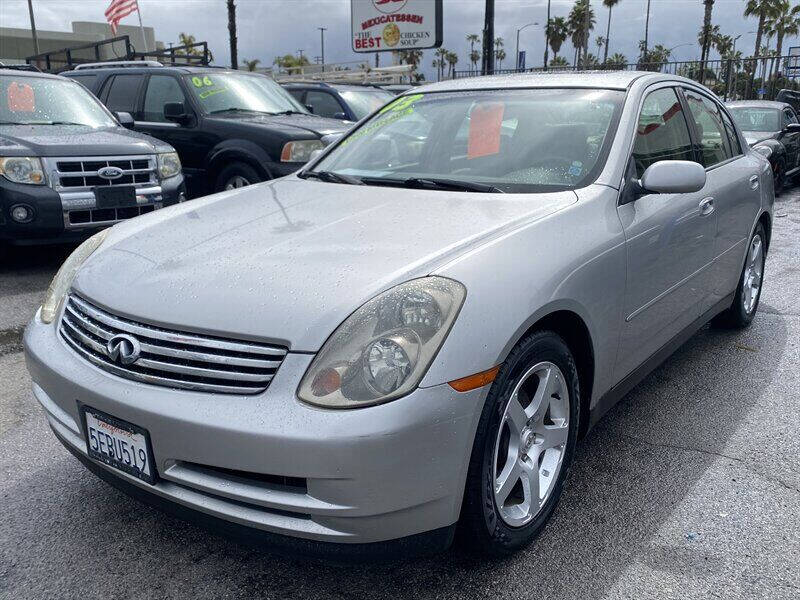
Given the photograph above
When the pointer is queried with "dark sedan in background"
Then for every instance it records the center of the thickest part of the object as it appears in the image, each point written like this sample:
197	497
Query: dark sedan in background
347	102
772	129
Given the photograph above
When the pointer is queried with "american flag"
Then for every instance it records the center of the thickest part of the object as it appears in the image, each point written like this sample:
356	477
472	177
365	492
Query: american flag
118	10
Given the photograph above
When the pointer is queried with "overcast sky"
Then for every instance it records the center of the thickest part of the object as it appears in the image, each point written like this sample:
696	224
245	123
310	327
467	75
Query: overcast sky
267	28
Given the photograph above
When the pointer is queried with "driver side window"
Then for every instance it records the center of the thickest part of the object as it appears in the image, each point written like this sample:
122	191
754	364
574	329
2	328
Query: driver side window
662	132
161	89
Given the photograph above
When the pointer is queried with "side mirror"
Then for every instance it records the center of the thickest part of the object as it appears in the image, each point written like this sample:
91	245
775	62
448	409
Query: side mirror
673	177
175	112
340	115
310	108
329	139
125	119
792	128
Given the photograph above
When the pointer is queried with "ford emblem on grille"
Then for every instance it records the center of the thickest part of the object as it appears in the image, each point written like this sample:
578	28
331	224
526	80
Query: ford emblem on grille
110	172
123	349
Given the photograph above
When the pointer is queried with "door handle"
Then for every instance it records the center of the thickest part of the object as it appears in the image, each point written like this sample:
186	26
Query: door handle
706	206
754	182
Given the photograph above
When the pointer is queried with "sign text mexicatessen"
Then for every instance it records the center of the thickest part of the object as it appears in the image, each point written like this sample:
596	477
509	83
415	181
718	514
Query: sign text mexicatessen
383	25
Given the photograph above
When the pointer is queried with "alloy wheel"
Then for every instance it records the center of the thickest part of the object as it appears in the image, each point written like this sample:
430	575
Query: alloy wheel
753	273
531	443
235	182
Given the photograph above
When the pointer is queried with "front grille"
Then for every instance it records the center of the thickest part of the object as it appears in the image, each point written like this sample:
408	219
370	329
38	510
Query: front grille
76	173
170	358
102	216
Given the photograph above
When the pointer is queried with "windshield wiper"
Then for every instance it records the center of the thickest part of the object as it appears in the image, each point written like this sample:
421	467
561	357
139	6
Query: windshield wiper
331	177
435	183
240	110
289	112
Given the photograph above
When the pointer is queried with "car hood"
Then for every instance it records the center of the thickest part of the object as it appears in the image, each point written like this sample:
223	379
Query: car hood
311	123
753	137
287	261
75	140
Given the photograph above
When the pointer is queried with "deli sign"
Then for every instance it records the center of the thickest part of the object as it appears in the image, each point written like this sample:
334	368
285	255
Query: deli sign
383	25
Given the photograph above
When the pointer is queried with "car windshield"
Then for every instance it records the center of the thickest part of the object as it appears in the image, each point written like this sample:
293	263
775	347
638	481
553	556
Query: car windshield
45	101
366	101
756	119
240	92
522	140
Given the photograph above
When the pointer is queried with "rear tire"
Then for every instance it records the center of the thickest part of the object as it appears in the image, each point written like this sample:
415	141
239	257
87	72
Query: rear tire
236	175
527	432
748	292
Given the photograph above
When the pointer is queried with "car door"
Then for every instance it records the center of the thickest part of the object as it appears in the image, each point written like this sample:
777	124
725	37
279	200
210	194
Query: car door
121	93
732	181
669	239
791	140
192	147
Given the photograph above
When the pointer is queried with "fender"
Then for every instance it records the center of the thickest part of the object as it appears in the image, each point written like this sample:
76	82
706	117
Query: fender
239	149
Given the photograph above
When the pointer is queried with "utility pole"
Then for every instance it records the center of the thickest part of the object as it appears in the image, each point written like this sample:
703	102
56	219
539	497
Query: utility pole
487	66
322	45
646	30
232	34
547	37
33	28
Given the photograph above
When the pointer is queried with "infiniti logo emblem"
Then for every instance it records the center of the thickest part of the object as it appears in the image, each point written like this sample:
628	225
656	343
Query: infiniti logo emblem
123	349
110	173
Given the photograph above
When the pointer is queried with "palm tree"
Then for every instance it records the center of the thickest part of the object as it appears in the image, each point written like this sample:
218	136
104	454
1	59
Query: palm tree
559	61
761	9
411	57
581	23
232	34
441	54
616	61
609	4
251	65
437	64
499	56
474	58
600	41
784	22
452	60
705	44
473	38
557	32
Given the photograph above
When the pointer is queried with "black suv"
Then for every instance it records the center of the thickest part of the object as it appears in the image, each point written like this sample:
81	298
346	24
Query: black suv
230	128
345	101
68	167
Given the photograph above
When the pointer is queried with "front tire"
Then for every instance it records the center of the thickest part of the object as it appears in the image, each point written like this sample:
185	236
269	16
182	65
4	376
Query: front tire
236	175
523	447
780	176
748	292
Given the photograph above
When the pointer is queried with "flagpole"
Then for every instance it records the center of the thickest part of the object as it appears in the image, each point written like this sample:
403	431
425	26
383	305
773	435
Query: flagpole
141	27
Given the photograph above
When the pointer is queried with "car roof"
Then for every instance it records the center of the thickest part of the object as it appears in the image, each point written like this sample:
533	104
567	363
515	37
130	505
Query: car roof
19	73
153	69
758	104
616	80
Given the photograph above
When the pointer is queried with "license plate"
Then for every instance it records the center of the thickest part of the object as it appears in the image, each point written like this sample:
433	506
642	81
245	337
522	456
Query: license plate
118	196
118	444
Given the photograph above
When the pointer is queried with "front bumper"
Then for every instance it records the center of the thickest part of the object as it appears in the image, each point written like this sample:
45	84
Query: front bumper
69	216
358	476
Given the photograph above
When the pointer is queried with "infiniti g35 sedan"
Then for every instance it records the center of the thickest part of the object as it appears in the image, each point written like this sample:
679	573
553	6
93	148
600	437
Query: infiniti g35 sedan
411	333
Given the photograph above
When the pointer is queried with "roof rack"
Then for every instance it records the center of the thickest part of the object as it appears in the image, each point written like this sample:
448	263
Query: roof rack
20	68
118	63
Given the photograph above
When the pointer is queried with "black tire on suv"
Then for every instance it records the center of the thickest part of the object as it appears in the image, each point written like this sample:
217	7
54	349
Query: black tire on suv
236	175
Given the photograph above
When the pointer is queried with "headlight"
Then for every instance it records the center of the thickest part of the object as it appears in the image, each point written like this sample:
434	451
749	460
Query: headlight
22	169
169	165
765	151
63	279
382	351
300	151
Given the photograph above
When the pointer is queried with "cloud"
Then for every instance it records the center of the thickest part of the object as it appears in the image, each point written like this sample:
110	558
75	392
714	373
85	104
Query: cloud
268	28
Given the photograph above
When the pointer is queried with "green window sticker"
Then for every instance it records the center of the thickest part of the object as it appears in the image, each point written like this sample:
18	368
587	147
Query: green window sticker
401	103
197	82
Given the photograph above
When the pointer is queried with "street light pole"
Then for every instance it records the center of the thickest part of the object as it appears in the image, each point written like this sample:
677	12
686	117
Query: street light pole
547	37
488	40
33	28
516	54
322	45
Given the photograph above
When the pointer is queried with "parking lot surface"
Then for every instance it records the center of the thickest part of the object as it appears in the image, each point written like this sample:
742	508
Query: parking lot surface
689	488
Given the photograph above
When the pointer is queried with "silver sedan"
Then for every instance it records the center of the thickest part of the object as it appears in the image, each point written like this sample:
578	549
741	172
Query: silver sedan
412	332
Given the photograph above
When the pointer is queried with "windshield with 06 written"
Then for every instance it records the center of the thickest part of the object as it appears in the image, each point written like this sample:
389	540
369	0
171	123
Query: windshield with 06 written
231	92
523	140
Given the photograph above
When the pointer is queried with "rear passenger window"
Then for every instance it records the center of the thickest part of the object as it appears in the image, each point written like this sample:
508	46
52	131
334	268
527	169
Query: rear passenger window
123	93
160	90
88	81
323	103
662	132
298	95
710	129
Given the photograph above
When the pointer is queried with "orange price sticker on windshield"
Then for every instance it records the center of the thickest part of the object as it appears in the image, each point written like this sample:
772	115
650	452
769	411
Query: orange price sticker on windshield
484	129
20	97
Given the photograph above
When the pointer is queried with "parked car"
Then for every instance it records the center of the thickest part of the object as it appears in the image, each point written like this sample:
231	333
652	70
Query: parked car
347	102
790	97
373	350
230	128
772	129
68	167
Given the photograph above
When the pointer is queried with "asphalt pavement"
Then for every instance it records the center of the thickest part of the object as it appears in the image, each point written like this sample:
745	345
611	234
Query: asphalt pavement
689	488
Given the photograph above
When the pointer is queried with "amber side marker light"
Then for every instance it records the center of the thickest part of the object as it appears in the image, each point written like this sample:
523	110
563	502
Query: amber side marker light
472	382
